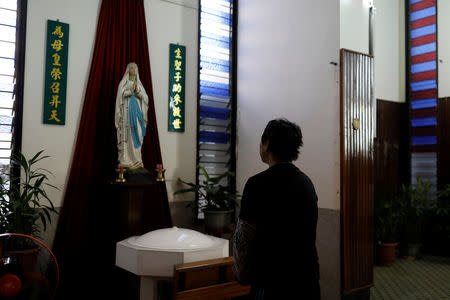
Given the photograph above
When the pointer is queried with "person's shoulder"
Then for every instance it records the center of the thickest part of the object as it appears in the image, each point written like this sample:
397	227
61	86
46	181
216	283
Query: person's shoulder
306	182
256	181
304	177
259	177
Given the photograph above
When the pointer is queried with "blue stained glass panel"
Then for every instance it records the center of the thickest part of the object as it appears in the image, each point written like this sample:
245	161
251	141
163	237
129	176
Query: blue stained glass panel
214	60
214	42
425	103
214	137
422	49
215	103
214	112
421	122
423	67
213	18
214	67
423	140
210	35
423	85
426	30
5	128
216	85
423	13
214	92
6	120
215	12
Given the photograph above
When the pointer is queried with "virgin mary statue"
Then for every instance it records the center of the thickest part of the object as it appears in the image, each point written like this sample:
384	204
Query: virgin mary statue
131	118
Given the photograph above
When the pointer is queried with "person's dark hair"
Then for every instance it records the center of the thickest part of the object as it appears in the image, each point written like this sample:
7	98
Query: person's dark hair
285	139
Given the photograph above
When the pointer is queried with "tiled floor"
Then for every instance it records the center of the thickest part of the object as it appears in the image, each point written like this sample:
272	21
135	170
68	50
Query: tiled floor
427	278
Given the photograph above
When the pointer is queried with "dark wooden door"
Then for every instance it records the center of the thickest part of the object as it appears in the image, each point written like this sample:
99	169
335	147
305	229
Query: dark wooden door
357	176
391	158
443	151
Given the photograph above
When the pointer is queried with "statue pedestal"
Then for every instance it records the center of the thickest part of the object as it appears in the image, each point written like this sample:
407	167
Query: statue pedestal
131	204
132	207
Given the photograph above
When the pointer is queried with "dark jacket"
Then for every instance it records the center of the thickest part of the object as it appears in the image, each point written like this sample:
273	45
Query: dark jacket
275	238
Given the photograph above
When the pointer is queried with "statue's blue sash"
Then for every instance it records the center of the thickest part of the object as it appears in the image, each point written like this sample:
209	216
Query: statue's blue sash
136	116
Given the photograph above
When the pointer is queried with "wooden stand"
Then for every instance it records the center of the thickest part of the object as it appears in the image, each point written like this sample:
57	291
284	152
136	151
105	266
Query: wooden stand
129	218
129	198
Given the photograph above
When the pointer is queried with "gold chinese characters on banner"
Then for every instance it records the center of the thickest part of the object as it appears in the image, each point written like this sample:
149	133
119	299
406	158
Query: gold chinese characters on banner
177	72
56	73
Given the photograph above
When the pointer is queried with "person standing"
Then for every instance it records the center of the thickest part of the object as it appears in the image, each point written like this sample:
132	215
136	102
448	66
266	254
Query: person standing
274	244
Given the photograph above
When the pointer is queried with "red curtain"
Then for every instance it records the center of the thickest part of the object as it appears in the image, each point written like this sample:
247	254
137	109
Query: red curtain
84	220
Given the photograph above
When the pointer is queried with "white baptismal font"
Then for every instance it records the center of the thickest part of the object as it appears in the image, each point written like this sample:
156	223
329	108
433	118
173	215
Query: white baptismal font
153	255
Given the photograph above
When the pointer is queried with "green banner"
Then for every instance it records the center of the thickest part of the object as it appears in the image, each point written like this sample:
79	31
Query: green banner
56	73
177	72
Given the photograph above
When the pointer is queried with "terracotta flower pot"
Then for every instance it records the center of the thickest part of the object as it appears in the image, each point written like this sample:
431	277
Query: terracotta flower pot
26	258
386	254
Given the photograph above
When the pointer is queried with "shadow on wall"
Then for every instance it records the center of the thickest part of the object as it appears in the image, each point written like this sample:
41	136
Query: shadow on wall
47	236
328	247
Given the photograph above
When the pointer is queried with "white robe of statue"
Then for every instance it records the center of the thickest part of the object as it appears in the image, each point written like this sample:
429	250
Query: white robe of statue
131	118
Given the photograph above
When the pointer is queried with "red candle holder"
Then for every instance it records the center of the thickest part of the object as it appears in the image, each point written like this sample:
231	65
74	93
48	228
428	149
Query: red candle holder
120	174
160	170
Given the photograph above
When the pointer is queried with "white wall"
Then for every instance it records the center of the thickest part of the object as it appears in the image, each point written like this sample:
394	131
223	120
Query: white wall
390	38
444	47
389	52
56	140
166	23
171	23
284	70
354	25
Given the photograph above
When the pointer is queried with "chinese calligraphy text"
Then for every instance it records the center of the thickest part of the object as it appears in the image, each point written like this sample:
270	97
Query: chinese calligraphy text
56	73
177	73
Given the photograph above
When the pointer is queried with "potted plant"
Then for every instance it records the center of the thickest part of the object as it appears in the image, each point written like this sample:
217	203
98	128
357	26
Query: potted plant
215	200
388	216
23	202
441	224
417	199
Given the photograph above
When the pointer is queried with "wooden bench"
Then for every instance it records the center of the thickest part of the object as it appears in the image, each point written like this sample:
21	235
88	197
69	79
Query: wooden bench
207	280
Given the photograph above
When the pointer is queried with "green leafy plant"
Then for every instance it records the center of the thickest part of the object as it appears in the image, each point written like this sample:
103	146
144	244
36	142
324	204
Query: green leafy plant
442	212
24	201
416	198
443	207
388	217
216	195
